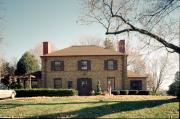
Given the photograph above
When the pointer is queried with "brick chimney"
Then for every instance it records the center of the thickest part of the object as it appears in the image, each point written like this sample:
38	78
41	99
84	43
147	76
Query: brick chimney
46	48
121	46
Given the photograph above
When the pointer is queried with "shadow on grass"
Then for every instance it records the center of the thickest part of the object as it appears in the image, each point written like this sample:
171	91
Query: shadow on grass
96	111
14	105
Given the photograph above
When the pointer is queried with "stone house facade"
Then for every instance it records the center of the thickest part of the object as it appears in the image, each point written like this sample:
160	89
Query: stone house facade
81	67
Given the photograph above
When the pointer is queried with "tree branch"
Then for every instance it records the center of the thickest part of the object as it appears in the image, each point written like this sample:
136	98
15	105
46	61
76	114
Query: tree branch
142	31
136	29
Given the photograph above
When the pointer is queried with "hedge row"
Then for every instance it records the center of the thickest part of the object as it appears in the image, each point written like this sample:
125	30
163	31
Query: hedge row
45	92
130	92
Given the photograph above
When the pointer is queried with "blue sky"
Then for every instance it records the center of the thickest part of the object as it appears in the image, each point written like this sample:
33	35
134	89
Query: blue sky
29	22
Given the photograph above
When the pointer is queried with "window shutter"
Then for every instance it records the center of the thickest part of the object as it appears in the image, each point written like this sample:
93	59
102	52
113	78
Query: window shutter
62	65
105	64
52	65
115	65
89	64
79	65
140	85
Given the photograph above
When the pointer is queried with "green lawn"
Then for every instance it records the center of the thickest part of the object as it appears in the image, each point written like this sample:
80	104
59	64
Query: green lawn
92	106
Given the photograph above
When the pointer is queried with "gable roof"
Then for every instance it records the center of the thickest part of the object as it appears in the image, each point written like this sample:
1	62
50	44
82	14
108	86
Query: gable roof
83	50
132	74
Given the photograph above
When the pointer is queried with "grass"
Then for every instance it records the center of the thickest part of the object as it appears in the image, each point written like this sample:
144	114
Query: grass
92	106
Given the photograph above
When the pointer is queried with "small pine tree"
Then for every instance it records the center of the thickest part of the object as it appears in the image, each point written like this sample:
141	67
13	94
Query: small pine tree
99	91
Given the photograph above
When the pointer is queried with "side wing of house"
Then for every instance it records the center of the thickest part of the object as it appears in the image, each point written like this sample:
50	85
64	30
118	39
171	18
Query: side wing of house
136	81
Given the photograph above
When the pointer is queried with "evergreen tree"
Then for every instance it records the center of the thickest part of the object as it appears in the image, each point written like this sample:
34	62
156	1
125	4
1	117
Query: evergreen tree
174	87
99	91
27	64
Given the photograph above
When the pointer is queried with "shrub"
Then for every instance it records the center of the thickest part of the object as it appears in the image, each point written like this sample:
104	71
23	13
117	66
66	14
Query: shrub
159	93
124	92
155	93
45	92
133	92
99	91
174	87
115	92
143	92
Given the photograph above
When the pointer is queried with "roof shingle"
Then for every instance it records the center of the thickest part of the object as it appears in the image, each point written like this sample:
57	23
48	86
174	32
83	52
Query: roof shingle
84	50
132	74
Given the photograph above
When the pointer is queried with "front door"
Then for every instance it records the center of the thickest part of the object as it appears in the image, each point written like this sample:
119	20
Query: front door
84	86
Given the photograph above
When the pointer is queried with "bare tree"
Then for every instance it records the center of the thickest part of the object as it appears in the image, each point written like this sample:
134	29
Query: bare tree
1	19
143	17
13	62
158	72
109	44
90	40
95	40
135	60
2	25
37	51
136	64
1	67
7	68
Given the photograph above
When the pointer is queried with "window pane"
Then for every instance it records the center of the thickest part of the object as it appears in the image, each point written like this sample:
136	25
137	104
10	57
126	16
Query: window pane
70	83
136	85
110	64
57	83
58	65
34	84
84	65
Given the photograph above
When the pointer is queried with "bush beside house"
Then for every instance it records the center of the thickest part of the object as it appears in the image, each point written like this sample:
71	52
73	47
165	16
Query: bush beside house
69	92
45	92
133	92
141	92
130	92
124	92
115	92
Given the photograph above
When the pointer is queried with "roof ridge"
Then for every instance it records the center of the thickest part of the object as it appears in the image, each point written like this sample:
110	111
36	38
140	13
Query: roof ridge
83	45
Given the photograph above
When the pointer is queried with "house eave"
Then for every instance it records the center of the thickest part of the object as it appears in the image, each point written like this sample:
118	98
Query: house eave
81	55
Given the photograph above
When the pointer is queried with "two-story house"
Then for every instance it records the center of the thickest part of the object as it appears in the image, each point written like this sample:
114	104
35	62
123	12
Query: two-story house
81	67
